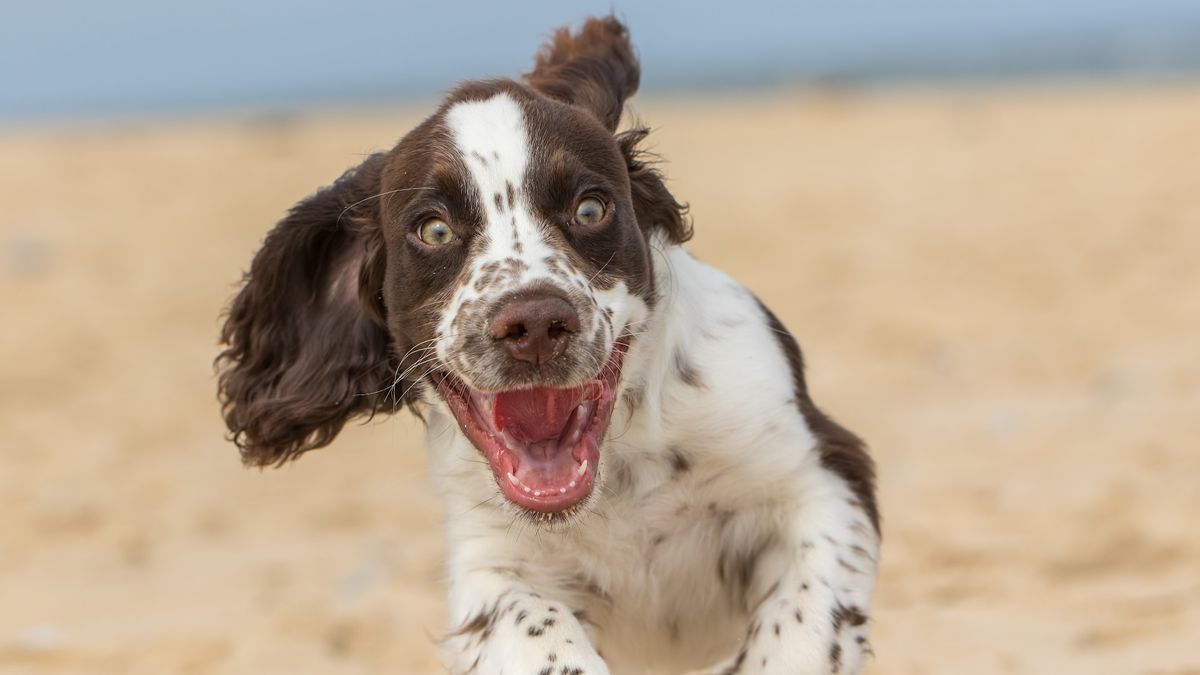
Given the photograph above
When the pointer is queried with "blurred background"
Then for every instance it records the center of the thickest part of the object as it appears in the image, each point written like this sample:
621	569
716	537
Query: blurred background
982	221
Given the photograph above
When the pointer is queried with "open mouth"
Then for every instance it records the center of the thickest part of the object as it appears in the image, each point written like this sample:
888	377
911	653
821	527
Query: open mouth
543	443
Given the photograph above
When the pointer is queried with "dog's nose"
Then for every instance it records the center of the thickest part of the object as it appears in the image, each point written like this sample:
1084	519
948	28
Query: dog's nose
535	329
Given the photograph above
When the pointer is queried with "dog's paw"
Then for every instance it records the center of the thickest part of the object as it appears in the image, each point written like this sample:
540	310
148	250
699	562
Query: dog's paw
795	654
570	662
527	635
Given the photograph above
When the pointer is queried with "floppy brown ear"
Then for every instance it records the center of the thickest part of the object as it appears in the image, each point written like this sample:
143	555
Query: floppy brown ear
654	205
594	69
305	347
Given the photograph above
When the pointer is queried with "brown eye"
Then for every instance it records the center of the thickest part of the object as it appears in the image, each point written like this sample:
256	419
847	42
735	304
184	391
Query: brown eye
435	232
589	212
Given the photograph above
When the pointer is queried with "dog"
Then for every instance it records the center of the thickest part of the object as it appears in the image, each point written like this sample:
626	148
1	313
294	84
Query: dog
634	475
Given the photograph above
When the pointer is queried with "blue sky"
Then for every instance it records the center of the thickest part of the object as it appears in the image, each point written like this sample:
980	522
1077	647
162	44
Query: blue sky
80	58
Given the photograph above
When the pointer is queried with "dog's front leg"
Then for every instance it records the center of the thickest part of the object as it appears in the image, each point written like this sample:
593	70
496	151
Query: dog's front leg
810	592
503	626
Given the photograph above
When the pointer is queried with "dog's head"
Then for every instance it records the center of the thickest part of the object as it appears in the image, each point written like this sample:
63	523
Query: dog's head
495	262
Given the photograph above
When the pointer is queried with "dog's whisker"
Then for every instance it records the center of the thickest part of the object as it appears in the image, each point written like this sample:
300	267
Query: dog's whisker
377	196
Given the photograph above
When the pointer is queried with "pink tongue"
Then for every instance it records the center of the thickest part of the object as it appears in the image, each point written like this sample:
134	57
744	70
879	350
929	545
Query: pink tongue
539	414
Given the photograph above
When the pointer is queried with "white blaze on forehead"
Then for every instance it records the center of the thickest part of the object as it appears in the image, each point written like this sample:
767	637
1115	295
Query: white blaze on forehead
494	143
491	136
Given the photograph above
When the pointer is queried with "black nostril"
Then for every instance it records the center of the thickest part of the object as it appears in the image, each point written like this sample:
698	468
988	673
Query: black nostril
557	329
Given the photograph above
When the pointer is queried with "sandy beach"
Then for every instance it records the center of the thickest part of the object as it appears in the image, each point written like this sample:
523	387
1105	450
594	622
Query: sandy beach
998	288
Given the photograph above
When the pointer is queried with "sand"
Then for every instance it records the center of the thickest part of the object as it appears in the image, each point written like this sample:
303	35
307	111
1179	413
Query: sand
999	289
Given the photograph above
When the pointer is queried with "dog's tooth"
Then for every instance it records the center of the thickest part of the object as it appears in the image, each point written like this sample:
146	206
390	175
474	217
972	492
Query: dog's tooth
526	489
512	478
573	438
537	493
582	467
571	484
562	491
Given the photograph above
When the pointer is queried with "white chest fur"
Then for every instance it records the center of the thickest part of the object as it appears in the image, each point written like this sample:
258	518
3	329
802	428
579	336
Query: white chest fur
712	493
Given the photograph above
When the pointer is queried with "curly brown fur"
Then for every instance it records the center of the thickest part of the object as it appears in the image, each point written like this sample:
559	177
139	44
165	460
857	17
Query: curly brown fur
301	355
595	69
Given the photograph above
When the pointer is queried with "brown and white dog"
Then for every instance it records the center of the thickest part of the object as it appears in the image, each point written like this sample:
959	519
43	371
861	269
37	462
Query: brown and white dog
513	271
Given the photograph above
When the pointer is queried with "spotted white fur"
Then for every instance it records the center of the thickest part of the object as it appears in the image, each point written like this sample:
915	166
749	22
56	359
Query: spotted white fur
648	576
641	568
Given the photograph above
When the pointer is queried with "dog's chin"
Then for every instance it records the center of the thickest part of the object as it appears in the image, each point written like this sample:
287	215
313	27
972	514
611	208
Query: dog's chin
542	443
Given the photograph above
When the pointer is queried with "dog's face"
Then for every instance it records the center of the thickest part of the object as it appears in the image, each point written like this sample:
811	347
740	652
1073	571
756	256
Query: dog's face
495	262
515	267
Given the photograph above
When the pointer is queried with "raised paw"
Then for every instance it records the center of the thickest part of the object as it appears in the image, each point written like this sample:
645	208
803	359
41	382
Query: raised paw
522	634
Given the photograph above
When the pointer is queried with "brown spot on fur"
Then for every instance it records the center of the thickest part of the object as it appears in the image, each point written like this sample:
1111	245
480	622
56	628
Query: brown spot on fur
861	552
680	464
767	595
841	452
512	195
848	567
480	624
850	615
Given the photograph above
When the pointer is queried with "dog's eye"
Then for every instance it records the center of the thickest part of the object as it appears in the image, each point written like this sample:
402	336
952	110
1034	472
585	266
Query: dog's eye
435	232
589	212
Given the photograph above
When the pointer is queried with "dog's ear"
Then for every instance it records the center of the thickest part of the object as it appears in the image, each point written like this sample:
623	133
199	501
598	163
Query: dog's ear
597	70
305	347
594	69
655	206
